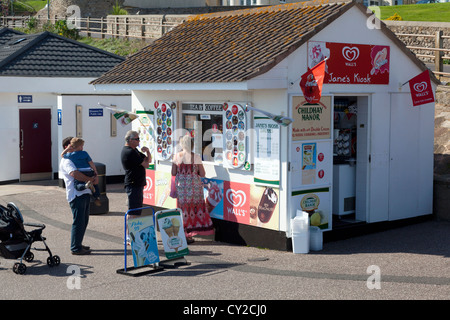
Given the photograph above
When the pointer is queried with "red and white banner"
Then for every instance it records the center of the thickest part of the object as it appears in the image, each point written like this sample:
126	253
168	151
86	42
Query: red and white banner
351	63
312	81
421	89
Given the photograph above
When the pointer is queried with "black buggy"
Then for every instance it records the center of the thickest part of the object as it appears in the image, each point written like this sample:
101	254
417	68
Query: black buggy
15	241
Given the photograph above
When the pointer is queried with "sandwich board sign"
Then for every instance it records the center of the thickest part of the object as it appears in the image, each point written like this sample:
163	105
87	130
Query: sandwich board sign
171	229
144	245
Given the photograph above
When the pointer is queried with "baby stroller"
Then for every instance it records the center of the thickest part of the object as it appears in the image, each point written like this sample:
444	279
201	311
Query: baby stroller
15	241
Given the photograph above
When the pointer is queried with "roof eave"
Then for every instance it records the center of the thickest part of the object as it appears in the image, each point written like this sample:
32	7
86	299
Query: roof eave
191	86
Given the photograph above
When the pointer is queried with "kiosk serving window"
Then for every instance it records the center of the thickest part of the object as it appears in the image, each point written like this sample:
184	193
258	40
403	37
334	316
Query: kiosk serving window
204	123
219	132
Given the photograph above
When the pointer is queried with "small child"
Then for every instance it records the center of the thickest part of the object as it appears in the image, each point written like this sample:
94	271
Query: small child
81	159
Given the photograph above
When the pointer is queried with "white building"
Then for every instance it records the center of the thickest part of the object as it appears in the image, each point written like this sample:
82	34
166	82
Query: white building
44	82
362	155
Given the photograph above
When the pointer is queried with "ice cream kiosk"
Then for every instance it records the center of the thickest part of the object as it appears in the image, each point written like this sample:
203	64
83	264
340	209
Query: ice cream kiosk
363	154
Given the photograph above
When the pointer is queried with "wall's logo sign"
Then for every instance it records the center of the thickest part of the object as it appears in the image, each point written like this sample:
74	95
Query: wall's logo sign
236	198
420	86
350	53
149	184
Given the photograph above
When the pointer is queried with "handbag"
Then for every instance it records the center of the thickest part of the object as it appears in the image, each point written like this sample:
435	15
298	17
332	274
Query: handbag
173	188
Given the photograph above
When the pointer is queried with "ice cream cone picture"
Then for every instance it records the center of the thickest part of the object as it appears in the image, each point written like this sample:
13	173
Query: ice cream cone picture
175	241
168	227
175	226
172	233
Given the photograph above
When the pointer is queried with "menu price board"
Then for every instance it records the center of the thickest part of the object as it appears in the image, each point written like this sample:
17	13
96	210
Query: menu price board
267	151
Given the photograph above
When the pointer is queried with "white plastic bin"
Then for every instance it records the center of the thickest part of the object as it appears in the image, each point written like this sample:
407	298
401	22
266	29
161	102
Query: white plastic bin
315	239
300	233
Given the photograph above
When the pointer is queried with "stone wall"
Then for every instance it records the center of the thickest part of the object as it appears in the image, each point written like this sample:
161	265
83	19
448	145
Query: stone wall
145	26
425	28
88	8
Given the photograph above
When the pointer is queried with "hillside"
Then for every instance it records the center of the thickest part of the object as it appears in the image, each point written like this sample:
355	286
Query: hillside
437	12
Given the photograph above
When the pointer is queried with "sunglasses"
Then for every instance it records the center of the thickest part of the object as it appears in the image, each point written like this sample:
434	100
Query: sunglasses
137	139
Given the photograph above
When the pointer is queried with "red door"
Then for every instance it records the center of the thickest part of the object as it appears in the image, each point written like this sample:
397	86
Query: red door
35	144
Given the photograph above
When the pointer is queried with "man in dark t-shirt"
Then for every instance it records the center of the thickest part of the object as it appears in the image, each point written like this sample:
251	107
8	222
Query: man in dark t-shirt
134	163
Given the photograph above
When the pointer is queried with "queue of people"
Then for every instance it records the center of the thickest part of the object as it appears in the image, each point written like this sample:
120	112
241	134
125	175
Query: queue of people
81	178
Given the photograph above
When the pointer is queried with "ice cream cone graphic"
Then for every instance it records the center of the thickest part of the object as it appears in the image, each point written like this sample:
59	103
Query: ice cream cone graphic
175	226
170	231
168	227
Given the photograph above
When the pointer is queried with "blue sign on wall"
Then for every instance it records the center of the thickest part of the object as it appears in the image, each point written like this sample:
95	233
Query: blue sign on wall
59	117
96	112
24	98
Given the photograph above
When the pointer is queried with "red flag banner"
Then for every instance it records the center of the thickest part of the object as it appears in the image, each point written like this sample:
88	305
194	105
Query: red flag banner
421	90
312	81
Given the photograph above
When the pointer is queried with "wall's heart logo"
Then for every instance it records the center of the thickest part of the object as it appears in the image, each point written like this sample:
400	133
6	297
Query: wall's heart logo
420	87
236	198
149	184
350	54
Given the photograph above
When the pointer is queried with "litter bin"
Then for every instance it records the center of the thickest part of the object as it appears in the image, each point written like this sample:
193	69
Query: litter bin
104	207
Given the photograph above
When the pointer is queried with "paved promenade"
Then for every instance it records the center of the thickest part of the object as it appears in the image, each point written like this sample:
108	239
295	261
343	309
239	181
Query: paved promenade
410	262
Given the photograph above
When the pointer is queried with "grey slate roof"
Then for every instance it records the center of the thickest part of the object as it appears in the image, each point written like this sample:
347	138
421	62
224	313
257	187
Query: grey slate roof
6	34
49	55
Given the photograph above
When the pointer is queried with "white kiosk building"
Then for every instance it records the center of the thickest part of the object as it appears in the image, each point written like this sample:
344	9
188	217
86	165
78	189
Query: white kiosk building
362	155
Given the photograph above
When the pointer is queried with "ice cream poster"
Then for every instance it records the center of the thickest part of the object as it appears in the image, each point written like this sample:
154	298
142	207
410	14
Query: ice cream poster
170	224
213	192
251	205
144	245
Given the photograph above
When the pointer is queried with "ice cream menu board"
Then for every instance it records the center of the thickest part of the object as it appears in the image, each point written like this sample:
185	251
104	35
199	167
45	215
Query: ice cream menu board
235	126
267	151
165	127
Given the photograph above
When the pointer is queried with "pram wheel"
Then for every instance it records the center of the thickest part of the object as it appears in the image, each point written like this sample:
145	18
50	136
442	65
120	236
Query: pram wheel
29	256
53	261
19	268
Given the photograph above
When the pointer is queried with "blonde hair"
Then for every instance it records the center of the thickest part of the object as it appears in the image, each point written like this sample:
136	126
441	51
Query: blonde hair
186	143
76	142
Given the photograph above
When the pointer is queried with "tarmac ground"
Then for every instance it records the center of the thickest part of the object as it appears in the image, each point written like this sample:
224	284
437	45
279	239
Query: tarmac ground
405	263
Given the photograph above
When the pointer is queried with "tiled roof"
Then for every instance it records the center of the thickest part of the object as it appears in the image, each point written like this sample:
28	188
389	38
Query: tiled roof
50	55
6	34
226	47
